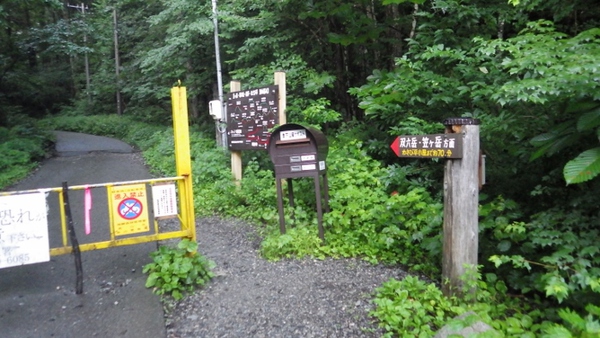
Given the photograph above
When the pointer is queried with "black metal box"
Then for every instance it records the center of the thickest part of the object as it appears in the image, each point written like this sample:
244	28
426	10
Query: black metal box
298	151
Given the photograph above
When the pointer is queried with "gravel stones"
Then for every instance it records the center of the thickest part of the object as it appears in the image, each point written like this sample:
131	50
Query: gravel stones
252	297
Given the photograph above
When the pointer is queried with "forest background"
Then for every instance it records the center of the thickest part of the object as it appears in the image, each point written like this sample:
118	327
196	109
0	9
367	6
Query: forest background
364	72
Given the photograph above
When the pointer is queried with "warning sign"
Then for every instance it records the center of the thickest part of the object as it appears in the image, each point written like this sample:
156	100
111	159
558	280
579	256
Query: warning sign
23	230
129	212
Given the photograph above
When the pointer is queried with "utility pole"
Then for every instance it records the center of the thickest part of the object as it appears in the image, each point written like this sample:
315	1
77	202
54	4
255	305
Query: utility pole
117	63
83	7
219	79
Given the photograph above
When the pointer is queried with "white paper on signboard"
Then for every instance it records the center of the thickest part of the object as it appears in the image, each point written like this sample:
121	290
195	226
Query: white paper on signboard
23	230
289	135
164	199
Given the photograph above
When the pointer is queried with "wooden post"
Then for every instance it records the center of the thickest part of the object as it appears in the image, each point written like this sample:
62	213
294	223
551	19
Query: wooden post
279	79
236	155
461	200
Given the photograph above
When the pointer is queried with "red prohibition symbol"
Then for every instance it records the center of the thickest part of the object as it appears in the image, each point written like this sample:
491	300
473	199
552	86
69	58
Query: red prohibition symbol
130	208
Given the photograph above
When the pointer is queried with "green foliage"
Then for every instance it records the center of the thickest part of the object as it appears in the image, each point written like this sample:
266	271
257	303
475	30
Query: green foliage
22	146
102	125
318	113
550	68
174	271
558	249
298	241
578	326
584	167
412	308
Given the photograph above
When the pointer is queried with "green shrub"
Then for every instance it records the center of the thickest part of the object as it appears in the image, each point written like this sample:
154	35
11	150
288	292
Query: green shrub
412	308
175	271
21	146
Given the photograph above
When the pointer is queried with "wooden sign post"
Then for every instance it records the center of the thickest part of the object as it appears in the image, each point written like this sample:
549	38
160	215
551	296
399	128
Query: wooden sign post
460	146
461	201
236	155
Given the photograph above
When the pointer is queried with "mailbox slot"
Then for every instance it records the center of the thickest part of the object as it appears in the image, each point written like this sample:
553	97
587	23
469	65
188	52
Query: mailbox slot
301	141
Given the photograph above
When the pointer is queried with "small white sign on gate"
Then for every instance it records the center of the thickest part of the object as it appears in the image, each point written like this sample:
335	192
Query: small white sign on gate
164	197
23	230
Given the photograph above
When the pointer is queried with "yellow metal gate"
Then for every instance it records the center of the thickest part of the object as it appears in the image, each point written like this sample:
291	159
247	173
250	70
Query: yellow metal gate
129	222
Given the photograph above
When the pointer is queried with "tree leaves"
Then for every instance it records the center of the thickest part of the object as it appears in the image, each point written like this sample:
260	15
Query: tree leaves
589	120
584	167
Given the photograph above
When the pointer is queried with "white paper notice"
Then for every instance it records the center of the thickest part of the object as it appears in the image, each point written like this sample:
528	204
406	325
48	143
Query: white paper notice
23	230
164	200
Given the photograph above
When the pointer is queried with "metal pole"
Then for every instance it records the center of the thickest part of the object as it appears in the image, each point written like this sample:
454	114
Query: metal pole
219	76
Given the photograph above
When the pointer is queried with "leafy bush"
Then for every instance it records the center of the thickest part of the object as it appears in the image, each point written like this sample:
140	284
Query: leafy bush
103	125
21	146
414	308
559	250
576	324
177	270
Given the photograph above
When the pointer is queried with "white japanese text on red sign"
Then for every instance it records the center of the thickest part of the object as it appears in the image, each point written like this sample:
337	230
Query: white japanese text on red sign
427	142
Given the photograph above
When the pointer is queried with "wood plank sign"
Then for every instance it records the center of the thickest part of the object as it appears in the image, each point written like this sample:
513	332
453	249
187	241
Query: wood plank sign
428	146
23	230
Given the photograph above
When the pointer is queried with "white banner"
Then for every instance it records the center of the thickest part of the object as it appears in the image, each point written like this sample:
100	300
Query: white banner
23	230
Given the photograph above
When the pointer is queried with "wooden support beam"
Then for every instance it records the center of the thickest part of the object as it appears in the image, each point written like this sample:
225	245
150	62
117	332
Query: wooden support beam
279	80
236	155
461	201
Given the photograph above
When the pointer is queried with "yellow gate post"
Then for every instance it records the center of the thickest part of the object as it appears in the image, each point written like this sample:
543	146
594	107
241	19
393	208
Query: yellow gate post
182	159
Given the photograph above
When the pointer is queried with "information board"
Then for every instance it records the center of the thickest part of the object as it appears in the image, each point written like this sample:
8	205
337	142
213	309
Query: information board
164	199
23	230
250	115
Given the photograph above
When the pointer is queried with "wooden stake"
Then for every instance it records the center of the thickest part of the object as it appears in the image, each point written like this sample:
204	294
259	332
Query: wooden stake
461	201
236	155
279	79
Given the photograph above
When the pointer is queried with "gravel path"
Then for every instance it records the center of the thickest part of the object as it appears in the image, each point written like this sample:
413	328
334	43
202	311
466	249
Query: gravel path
251	297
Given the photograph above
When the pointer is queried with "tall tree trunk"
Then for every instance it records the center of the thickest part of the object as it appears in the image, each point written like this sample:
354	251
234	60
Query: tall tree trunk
413	30
193	106
397	49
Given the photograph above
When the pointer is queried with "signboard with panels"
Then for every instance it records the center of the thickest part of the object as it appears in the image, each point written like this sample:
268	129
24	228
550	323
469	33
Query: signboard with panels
250	115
